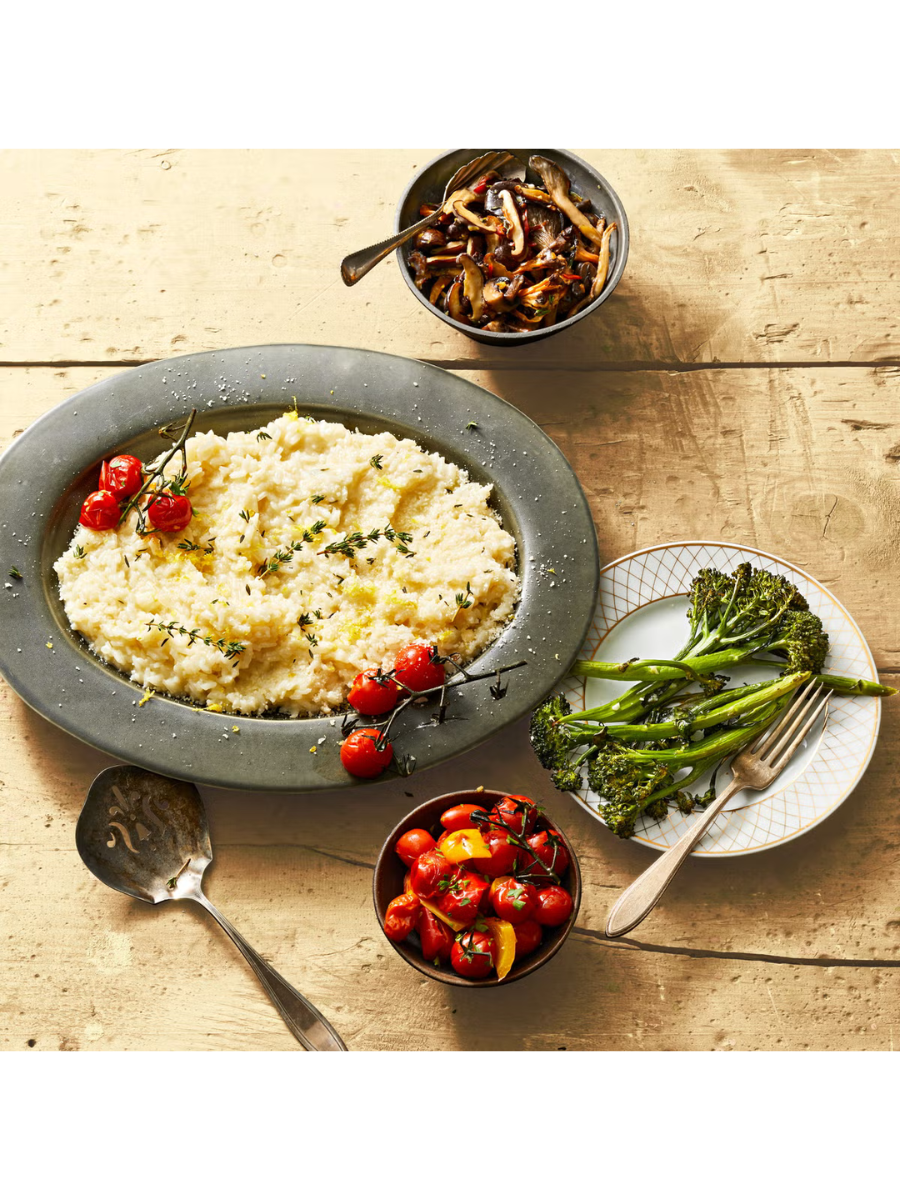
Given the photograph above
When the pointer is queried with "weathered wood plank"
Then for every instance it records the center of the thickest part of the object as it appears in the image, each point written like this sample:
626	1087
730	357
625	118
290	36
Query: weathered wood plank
737	256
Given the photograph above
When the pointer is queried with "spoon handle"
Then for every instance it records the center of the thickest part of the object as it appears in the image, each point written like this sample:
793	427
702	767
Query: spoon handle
303	1019
354	266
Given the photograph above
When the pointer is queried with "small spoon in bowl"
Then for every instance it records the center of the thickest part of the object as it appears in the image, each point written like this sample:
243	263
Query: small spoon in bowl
354	266
147	835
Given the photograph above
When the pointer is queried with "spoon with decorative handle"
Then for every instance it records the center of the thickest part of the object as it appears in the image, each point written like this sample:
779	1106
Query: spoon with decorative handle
354	266
146	835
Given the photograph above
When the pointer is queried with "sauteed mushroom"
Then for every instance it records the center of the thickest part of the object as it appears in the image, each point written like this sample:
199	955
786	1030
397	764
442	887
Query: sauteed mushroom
508	256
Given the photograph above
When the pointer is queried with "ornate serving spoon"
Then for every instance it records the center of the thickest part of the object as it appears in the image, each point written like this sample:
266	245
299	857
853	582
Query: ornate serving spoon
146	835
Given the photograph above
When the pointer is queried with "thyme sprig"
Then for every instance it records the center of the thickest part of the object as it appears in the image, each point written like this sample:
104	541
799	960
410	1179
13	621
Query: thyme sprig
351	542
178	434
230	649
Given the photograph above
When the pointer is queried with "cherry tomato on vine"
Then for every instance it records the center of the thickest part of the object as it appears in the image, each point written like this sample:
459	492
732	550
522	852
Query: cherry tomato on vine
373	693
428	872
437	939
504	854
170	513
413	843
460	817
361	756
517	813
554	905
122	475
416	667
460	900
402	916
473	954
547	854
513	900
100	511
529	935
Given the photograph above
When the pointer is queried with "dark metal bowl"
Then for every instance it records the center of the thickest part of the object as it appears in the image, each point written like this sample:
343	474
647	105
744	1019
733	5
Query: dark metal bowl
390	872
427	187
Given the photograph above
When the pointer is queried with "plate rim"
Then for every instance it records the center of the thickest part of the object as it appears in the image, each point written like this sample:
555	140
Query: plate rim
311	358
712	855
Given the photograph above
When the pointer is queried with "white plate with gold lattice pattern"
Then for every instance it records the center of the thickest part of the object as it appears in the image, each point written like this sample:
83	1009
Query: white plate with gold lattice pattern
641	612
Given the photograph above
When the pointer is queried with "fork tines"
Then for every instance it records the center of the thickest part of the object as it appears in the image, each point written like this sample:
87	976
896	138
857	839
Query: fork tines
778	744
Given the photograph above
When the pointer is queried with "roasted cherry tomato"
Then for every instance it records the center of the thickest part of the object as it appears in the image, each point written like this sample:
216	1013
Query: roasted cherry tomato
529	935
554	905
460	816
413	843
401	916
100	511
461	898
473	954
428	872
361	756
437	940
373	693
547	854
504	853
122	475
170	513
517	813
416	667
513	901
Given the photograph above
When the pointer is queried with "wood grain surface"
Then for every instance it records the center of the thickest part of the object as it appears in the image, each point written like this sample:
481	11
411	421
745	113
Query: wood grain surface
742	384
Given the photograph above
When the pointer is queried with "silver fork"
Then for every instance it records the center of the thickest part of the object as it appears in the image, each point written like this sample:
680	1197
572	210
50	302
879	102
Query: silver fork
754	767
354	266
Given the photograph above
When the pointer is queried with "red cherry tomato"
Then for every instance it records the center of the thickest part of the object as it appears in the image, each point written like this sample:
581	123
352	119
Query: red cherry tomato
428	872
472	954
413	843
401	916
547	854
513	901
554	905
529	935
460	817
517	813
361	757
170	513
372	693
461	898
437	940
415	667
100	511
504	854
122	475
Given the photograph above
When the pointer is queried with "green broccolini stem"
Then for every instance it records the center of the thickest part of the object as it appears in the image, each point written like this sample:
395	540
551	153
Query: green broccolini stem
842	684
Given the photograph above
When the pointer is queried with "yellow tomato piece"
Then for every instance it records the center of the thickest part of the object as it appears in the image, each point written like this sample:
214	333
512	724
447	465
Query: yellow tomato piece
464	844
503	936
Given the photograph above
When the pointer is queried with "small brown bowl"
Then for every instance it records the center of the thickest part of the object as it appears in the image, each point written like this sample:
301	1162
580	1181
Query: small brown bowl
390	872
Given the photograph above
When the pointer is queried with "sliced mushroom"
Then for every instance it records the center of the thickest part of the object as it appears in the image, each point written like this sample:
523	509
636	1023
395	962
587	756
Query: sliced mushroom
494	266
473	286
543	262
514	221
557	184
498	325
429	239
436	288
502	298
583	255
454	302
457	204
419	264
603	264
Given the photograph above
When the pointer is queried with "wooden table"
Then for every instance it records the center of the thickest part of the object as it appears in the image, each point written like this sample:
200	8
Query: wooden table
743	383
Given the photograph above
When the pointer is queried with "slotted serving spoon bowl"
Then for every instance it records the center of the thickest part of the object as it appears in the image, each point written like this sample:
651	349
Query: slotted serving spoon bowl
147	835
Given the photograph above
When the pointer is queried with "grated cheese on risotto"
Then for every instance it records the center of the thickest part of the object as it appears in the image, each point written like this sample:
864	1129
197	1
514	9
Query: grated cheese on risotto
257	575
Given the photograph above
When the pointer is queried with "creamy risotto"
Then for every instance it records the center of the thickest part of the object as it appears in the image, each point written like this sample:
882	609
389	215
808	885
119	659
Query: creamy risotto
257	605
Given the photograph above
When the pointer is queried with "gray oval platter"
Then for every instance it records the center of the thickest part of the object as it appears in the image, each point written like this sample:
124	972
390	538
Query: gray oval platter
51	467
